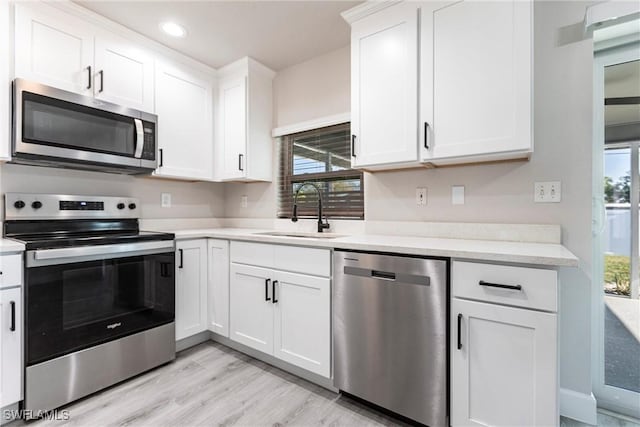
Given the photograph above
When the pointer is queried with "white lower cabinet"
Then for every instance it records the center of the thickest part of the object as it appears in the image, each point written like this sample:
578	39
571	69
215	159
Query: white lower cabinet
301	321
191	287
10	346
503	358
251	307
280	313
218	286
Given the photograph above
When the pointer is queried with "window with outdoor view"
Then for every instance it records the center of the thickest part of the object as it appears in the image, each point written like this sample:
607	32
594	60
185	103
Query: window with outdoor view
322	157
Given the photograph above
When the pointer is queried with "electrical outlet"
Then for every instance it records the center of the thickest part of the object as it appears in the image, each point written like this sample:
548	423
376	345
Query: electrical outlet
421	196
244	201
547	192
457	194
165	200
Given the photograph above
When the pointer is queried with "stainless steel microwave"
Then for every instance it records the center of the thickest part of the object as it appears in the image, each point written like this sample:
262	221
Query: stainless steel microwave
53	127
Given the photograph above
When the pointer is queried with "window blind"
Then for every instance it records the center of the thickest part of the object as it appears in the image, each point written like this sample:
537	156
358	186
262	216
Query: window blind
322	157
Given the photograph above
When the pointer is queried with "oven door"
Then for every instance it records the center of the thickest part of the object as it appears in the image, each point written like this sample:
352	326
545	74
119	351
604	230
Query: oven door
58	125
81	298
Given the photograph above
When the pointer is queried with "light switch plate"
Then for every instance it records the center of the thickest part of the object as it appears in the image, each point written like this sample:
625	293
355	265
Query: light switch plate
244	201
457	195
421	196
547	192
165	200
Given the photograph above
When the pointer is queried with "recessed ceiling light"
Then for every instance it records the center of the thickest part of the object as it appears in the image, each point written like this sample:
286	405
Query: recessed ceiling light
173	29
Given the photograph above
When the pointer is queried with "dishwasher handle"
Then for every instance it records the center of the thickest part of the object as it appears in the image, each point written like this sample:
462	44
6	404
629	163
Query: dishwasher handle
412	279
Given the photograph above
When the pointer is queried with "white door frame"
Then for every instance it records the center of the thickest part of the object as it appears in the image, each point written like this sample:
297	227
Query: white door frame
609	397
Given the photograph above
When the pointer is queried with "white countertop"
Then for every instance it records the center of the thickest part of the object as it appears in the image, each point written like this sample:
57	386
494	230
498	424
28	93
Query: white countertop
549	254
9	246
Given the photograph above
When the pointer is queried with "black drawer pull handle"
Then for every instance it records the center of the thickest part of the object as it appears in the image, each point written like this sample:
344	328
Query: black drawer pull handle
266	289
12	328
353	145
459	331
181	258
273	291
499	285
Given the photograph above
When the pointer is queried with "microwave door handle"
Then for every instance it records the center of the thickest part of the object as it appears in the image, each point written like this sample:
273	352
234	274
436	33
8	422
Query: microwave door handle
139	138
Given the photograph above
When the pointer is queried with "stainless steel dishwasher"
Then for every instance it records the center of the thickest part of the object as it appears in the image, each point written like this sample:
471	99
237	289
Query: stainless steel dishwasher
390	332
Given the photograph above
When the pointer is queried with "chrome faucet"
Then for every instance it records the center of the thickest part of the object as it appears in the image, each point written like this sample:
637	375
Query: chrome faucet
321	225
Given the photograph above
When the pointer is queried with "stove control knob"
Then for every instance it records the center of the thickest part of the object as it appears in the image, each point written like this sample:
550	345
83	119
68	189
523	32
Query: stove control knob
19	204
132	206
36	205
120	206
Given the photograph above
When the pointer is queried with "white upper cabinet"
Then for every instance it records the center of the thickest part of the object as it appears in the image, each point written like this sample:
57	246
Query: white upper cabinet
244	121
462	94
125	73
61	50
53	48
5	82
184	98
384	87
476	80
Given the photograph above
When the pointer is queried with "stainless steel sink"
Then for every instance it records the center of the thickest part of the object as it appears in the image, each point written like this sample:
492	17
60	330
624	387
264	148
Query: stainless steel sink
300	234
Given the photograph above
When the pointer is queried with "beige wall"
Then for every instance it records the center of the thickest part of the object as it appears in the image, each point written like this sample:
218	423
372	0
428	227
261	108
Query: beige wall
189	200
494	193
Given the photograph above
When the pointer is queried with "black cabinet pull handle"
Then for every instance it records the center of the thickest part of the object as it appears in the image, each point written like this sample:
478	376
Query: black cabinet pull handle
459	331
240	162
161	157
499	285
266	289
426	135
181	258
90	76
273	291
12	328
101	72
353	145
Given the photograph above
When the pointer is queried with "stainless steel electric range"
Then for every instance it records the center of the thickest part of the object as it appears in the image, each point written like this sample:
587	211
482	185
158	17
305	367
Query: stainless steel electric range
99	294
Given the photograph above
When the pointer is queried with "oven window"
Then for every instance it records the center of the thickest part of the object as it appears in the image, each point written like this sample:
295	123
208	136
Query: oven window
74	306
50	121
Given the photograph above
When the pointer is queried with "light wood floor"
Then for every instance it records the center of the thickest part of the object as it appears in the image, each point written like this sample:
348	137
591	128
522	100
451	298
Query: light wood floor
213	385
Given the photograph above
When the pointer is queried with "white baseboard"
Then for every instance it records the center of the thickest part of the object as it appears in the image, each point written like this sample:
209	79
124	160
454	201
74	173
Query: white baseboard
578	406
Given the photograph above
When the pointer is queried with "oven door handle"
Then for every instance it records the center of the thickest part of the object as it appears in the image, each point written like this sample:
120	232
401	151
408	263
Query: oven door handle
87	253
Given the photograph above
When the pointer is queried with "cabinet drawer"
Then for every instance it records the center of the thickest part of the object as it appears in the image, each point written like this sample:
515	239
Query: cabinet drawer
312	261
10	270
303	260
517	286
258	254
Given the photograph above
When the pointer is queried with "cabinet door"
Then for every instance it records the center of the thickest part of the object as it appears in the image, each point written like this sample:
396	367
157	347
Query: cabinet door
53	48
10	346
191	288
232	108
218	290
124	73
505	371
184	100
476	100
302	324
251	307
384	86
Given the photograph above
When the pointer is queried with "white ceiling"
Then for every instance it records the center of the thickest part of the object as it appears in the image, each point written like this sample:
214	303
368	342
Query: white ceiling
277	33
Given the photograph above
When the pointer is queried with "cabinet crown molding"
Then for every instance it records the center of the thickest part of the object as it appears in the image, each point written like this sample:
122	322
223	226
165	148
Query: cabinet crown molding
365	9
245	65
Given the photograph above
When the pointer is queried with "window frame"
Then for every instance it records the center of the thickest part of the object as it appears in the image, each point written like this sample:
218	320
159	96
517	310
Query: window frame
286	178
